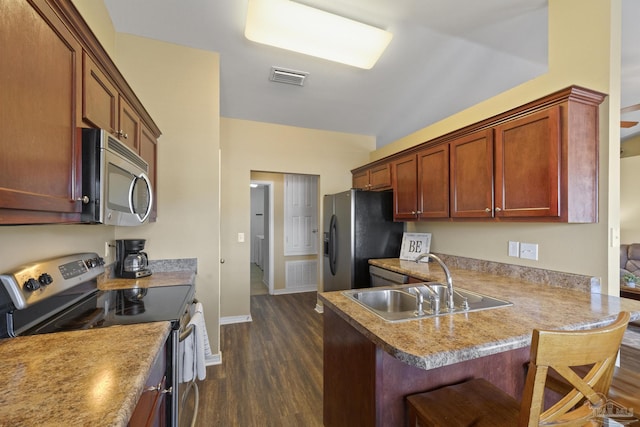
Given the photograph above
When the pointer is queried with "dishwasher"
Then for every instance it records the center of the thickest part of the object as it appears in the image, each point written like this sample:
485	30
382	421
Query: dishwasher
383	277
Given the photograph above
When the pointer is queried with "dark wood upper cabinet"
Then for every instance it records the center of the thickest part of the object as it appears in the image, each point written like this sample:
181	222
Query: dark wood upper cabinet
421	183
374	178
40	77
55	77
405	185
99	97
527	166
472	175
433	182
129	132
536	162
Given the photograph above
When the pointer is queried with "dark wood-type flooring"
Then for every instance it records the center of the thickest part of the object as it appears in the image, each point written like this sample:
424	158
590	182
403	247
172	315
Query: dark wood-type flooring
271	371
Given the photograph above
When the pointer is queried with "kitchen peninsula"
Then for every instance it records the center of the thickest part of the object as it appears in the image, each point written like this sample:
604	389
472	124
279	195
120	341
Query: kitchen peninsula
371	364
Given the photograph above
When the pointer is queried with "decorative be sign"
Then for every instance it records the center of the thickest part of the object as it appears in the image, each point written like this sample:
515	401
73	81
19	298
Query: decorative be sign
414	244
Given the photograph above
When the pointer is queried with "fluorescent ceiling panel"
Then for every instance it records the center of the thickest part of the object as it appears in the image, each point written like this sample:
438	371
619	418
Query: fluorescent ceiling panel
303	29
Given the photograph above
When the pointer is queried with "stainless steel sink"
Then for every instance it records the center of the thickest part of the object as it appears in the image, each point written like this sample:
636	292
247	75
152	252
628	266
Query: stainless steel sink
398	303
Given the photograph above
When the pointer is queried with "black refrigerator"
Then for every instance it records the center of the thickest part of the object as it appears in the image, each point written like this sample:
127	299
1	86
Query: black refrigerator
357	226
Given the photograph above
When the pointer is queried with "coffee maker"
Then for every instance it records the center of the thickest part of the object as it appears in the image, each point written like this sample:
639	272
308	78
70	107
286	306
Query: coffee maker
131	261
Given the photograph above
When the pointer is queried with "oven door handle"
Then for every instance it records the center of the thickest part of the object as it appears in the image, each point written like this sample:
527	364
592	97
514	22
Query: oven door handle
186	332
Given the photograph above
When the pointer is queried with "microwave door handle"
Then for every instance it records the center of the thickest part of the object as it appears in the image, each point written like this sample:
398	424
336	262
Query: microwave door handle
149	207
144	177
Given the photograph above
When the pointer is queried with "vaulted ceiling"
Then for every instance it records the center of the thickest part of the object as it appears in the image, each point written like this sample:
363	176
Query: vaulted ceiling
445	56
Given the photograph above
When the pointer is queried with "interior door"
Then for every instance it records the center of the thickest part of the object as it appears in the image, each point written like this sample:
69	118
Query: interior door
301	215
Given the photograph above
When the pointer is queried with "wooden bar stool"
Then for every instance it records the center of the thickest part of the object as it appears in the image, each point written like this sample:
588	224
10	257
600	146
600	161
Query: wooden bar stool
479	403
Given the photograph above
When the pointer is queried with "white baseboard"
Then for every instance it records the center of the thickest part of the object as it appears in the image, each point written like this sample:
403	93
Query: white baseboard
320	308
229	320
301	289
214	359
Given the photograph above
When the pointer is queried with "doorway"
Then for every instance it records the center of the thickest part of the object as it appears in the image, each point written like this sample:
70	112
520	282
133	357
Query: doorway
261	240
284	239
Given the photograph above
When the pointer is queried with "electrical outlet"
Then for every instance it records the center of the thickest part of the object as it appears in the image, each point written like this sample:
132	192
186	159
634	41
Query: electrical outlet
107	250
514	249
529	251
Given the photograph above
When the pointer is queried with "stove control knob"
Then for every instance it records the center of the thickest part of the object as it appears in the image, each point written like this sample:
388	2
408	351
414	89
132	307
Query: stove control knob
32	284
45	279
91	263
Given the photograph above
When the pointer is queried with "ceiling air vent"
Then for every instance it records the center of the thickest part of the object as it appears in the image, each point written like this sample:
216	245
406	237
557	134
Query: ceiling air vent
283	75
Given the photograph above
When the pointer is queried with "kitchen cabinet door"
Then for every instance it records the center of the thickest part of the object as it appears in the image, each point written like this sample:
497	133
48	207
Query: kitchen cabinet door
129	121
360	180
380	177
149	152
99	97
471	168
405	185
527	165
433	182
41	90
375	178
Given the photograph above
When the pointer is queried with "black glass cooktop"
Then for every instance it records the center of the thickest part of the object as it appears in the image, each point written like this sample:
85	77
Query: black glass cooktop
117	307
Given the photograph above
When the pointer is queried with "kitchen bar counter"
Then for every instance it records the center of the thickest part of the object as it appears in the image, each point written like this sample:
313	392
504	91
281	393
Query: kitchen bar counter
371	365
449	339
92	378
156	279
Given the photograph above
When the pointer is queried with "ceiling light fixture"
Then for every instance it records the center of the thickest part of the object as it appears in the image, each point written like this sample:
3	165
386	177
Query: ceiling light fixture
293	26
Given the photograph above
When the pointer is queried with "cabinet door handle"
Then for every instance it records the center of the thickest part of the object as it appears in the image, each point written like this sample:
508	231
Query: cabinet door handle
487	210
498	209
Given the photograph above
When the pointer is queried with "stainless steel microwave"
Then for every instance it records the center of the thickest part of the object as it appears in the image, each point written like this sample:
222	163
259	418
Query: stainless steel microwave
115	186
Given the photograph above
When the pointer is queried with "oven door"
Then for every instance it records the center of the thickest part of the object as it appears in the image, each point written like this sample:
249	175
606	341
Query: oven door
187	396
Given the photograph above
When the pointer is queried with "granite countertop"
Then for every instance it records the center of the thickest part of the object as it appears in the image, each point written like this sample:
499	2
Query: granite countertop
90	378
171	278
444	340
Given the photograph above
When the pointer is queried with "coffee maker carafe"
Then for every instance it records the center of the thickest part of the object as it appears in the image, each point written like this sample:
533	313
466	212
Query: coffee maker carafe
131	261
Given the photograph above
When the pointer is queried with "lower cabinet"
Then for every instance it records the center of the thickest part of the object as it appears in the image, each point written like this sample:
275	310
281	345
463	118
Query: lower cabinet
151	410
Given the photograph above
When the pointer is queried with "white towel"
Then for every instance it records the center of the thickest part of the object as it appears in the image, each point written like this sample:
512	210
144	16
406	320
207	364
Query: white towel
208	355
193	349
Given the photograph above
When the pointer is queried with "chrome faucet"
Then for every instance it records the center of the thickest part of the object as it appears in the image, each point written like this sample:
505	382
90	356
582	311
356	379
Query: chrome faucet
447	273
434	299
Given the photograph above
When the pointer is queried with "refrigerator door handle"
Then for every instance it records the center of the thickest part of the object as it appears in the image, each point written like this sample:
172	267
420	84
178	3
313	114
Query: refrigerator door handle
332	245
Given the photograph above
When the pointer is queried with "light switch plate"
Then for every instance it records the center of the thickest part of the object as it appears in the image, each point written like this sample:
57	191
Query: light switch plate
529	251
240	237
514	249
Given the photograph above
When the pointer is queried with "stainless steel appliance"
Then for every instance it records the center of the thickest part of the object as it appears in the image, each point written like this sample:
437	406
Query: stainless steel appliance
61	294
131	260
382	277
358	226
115	186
